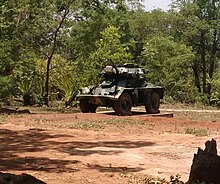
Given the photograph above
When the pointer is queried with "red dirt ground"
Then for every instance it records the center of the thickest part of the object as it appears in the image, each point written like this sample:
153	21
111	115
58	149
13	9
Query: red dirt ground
99	148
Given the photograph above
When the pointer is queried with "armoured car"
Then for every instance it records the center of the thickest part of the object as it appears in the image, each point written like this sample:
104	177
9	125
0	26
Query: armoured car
122	88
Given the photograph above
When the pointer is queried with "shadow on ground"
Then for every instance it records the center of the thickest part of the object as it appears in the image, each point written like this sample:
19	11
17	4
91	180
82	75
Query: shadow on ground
133	113
15	145
86	148
111	168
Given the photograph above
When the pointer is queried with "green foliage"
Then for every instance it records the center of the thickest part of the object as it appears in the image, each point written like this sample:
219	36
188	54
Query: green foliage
215	96
94	18
28	78
6	62
179	49
24	74
109	51
168	63
6	88
65	77
200	30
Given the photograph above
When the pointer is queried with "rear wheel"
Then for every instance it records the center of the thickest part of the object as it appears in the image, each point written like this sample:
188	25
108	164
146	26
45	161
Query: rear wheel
87	107
153	108
123	105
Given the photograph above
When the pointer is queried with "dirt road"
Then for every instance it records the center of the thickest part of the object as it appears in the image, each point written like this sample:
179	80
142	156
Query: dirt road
100	148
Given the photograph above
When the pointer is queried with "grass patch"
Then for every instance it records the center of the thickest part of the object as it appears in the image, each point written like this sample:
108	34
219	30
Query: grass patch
89	124
122	122
99	124
86	125
197	132
150	180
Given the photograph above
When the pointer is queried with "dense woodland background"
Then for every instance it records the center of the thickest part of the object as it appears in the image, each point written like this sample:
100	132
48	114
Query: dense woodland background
51	48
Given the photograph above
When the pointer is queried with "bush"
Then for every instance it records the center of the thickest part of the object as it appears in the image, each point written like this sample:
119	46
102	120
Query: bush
6	88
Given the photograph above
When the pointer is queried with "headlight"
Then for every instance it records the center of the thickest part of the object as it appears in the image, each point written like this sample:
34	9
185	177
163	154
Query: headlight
85	90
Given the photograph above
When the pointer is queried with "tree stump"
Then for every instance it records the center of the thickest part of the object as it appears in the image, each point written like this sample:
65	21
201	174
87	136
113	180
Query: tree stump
206	165
7	178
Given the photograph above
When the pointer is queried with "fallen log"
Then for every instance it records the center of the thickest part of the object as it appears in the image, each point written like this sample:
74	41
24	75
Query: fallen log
14	111
206	165
7	178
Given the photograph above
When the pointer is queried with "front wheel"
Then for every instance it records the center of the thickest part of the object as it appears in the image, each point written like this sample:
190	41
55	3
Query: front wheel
92	108
123	105
153	107
87	107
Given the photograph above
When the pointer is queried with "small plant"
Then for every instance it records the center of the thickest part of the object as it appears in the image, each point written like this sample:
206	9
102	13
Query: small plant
150	180
175	179
197	132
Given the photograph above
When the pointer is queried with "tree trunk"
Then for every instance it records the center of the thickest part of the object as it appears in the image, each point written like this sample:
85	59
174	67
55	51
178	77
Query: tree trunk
202	52
196	76
206	165
46	96
212	60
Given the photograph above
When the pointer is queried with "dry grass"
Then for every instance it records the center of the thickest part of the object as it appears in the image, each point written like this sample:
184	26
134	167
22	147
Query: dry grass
199	114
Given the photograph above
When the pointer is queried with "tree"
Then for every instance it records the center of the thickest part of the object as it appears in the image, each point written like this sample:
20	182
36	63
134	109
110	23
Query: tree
110	50
39	39
202	32
63	10
168	63
145	24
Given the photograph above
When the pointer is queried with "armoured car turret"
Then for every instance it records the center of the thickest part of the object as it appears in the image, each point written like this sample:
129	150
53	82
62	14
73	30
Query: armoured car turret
122	88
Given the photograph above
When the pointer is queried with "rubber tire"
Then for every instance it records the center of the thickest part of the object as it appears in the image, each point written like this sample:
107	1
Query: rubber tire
123	105
84	106
92	108
153	108
87	107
